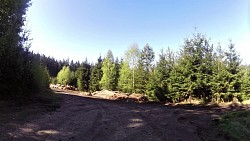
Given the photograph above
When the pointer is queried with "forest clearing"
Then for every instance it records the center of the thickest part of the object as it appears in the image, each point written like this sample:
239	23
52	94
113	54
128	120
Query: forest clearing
172	85
81	117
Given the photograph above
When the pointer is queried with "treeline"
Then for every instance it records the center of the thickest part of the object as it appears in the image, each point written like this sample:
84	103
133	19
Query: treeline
198	70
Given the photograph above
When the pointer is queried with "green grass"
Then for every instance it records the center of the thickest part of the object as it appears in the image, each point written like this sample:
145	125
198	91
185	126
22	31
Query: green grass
235	126
19	110
48	99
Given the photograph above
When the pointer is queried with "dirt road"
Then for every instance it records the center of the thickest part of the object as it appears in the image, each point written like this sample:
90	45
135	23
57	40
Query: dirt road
84	119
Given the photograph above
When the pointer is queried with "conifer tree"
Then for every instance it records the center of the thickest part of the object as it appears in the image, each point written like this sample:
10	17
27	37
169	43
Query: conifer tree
162	74
195	68
220	77
117	74
245	85
16	78
145	63
96	76
125	79
83	76
108	68
232	65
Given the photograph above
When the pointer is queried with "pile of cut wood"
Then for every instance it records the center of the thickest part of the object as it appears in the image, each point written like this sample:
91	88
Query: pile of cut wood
117	95
63	87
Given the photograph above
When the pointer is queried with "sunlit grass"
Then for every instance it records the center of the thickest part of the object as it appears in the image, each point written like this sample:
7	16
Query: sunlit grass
235	126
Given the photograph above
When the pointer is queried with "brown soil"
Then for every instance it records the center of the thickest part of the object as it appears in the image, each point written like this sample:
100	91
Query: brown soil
86	118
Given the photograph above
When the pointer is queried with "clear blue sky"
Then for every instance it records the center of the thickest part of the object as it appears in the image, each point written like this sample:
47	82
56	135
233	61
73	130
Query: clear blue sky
77	29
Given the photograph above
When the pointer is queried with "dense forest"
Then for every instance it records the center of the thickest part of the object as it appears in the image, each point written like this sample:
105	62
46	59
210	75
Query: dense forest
21	73
199	69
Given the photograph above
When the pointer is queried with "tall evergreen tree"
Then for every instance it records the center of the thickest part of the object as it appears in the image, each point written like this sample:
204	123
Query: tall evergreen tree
125	80
146	59
233	67
162	73
117	74
83	76
96	76
245	85
16	76
219	82
108	68
195	65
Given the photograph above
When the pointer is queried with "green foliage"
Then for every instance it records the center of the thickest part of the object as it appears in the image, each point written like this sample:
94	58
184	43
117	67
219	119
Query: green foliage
64	76
83	76
132	57
162	75
41	75
96	76
153	91
125	82
194	69
109	73
145	63
53	80
245	85
16	78
199	71
235	126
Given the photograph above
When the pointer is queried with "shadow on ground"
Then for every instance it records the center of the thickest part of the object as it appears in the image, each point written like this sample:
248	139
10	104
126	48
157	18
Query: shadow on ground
86	118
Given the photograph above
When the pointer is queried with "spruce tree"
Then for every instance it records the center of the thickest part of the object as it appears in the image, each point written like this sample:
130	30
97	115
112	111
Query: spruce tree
108	67
83	76
195	68
125	79
96	76
219	82
145	63
233	67
162	73
16	78
245	85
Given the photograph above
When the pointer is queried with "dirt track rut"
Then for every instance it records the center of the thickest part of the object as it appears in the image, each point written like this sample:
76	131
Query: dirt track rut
85	119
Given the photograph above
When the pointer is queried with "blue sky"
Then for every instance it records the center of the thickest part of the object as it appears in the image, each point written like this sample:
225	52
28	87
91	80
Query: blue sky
80	29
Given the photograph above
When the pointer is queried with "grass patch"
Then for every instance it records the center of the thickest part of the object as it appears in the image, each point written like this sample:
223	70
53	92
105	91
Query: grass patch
235	126
22	109
49	99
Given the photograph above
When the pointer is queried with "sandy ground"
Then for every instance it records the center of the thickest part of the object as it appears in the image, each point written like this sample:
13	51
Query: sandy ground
82	118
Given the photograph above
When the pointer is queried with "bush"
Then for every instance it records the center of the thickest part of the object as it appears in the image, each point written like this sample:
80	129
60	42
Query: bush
64	75
41	76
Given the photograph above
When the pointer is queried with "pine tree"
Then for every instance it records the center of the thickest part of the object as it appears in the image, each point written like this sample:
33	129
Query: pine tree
146	59
219	82
232	65
83	76
195	68
153	91
245	85
125	80
16	78
162	74
108	68
96	76
117	74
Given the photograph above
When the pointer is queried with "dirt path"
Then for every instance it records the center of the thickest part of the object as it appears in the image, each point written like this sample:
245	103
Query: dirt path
85	119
